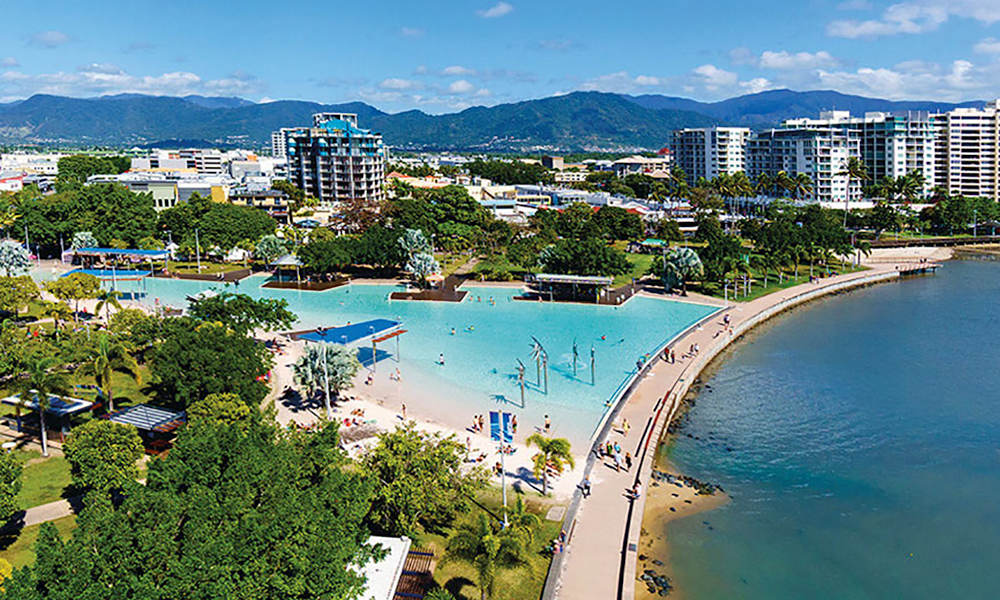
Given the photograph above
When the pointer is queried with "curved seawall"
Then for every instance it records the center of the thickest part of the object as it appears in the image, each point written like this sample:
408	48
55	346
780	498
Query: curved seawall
603	530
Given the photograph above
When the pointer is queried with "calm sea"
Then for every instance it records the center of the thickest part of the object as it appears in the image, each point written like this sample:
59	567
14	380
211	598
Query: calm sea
860	440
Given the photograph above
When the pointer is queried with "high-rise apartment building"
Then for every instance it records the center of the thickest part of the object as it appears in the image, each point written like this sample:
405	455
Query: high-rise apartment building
819	153
891	145
279	144
335	160
967	151
711	151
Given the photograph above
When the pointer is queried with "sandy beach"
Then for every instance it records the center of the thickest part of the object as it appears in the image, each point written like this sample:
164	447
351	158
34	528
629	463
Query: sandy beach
382	403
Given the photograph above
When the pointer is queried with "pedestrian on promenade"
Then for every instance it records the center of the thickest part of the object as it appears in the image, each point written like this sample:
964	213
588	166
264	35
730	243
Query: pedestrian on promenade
628	461
609	449
625	426
618	461
513	424
637	490
618	448
586	487
404	411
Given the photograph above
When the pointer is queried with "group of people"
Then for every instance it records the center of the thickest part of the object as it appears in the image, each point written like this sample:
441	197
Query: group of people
614	451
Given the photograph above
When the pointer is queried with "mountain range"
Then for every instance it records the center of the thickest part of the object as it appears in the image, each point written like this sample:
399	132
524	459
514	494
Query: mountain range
575	121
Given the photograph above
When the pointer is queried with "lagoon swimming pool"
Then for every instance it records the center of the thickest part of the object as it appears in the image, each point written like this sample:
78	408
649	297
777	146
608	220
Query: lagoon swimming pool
480	369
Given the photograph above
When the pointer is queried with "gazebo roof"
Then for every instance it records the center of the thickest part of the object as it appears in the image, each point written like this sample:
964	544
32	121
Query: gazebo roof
149	418
288	260
59	406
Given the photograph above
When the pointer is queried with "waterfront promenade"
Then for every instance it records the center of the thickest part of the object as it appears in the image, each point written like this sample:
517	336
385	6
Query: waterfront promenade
599	560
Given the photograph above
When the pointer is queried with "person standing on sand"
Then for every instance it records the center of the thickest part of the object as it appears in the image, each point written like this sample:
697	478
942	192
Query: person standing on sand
404	411
548	424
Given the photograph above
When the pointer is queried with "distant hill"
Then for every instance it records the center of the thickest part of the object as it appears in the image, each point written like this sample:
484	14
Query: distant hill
576	121
767	109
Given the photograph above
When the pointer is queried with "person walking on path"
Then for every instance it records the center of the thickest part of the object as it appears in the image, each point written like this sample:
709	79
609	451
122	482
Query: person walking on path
585	487
625	426
628	461
637	490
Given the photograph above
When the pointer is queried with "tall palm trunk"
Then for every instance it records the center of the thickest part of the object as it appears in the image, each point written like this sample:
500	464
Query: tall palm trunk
45	435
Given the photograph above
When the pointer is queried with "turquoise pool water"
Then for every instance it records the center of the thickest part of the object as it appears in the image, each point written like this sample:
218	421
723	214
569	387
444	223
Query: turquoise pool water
481	364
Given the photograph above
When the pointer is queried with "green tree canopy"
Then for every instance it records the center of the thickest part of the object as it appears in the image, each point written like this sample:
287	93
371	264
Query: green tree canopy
222	409
583	257
14	258
421	480
10	485
194	359
328	256
103	455
255	513
17	292
243	313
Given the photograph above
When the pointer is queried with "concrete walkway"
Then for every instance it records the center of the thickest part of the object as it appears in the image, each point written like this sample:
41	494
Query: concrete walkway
599	560
48	512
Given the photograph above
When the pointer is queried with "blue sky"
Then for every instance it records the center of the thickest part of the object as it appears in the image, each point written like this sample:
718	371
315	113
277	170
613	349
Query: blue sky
445	55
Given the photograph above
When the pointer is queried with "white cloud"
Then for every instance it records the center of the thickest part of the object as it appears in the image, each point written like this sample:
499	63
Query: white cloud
988	45
957	81
460	87
9	61
99	79
645	80
48	39
420	70
497	10
411	32
756	85
621	82
100	68
797	60
395	83
483	93
916	16
458	70
714	78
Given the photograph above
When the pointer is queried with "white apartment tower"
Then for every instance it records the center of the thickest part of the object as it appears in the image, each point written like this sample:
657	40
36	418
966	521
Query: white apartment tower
968	151
711	151
335	160
891	145
822	154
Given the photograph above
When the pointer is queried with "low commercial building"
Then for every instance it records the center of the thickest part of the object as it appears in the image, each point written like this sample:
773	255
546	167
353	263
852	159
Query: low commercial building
641	165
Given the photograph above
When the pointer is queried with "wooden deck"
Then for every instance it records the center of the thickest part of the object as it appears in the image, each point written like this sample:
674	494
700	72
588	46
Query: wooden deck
448	292
311	286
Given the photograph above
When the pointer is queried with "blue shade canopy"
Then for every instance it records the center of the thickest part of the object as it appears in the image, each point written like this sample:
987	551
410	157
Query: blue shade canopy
59	406
350	333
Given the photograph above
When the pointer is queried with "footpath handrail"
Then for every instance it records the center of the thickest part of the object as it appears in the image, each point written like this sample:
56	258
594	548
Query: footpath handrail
603	429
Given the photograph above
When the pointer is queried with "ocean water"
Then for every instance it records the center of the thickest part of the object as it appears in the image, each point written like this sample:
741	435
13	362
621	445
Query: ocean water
481	363
864	461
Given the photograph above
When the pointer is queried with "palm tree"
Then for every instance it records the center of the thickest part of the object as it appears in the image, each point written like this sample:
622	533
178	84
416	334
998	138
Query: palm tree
680	265
107	299
854	169
107	356
554	454
782	181
488	549
58	312
763	184
802	185
522	521
39	381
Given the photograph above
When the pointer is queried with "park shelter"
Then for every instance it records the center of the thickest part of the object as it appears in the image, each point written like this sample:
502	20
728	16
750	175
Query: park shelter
374	331
149	419
288	262
571	287
61	407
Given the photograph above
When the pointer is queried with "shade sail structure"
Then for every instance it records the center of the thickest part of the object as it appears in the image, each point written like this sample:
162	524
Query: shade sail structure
150	418
349	334
288	260
573	279
128	253
60	406
113	274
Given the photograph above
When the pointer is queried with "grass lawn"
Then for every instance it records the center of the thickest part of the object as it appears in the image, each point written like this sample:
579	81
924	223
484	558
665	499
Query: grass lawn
451	262
42	481
773	284
640	266
521	584
17	548
207	268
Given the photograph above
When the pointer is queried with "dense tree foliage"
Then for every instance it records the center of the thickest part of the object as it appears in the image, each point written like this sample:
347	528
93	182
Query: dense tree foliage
194	359
218	223
222	409
422	480
583	257
510	172
10	485
75	169
17	292
232	512
328	256
103	455
243	313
